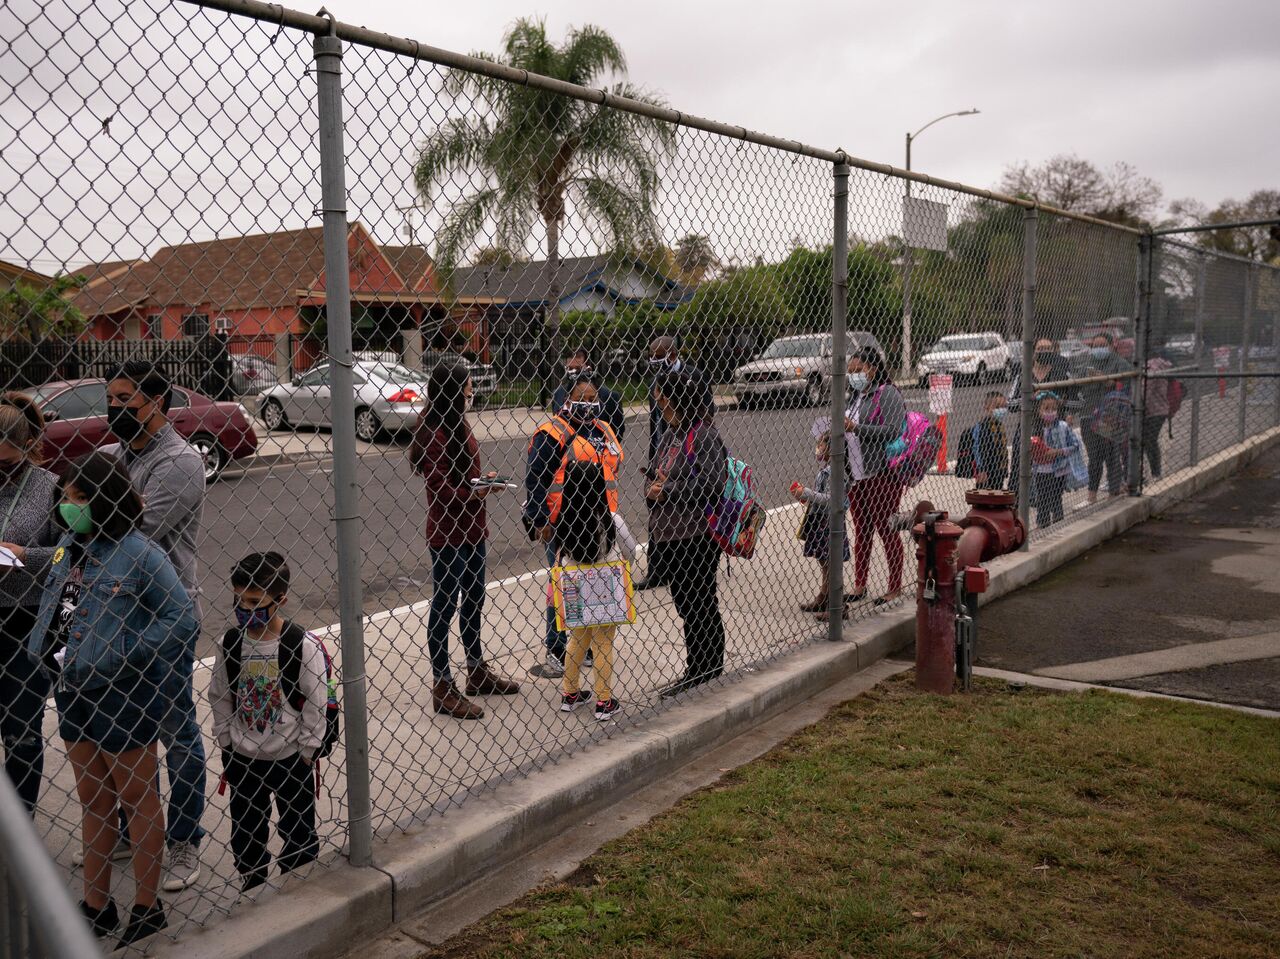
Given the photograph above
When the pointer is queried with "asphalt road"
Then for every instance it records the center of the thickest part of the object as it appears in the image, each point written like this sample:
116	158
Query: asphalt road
289	506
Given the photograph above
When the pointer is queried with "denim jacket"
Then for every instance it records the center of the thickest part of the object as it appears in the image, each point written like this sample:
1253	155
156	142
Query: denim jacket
132	608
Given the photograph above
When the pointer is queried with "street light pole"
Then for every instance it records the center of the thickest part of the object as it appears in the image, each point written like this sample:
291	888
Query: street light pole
908	255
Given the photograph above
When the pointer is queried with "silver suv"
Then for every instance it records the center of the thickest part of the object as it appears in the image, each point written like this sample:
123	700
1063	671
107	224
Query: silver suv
795	367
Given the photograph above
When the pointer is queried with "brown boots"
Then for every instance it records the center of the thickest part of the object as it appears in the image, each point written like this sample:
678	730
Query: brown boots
481	681
447	701
815	605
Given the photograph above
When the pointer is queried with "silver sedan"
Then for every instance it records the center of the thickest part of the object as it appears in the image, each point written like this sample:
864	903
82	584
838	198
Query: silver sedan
389	398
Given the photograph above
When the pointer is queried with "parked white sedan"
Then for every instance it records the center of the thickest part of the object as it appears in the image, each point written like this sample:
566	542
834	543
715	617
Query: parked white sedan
973	356
389	398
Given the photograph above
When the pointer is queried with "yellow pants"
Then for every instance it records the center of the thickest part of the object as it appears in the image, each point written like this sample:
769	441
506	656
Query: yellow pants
599	639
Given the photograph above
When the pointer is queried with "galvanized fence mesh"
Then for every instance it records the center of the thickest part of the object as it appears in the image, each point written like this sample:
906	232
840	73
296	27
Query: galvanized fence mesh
373	274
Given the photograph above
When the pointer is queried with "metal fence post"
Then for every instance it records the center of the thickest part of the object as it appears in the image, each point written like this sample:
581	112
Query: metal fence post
346	492
1197	385
1242	414
1272	288
1146	276
1026	399
837	506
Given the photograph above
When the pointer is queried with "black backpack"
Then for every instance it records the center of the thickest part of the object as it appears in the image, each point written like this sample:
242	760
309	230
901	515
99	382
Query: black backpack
290	658
966	465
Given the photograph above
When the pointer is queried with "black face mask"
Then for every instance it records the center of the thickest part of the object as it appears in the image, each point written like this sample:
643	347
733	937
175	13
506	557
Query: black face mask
1044	358
124	423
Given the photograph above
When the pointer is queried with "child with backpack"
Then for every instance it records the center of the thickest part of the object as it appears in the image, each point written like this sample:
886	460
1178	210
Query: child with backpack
1057	463
983	453
589	531
815	528
271	703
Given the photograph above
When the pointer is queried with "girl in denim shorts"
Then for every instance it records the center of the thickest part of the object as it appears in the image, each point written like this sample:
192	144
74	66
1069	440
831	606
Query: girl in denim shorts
110	604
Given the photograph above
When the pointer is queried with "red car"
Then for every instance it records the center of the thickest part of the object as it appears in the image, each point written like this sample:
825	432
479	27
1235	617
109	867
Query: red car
75	412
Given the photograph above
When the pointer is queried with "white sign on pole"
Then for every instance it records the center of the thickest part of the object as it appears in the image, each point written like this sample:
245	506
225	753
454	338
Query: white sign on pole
924	223
1222	357
940	393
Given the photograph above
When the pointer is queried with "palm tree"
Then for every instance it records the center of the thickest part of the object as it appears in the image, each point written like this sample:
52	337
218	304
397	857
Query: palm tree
540	155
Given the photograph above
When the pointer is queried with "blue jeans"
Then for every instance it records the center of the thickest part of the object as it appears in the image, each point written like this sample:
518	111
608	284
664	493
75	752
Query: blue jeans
556	639
457	586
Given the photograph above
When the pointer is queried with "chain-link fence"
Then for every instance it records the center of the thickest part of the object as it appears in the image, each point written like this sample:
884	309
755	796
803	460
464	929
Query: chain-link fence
506	372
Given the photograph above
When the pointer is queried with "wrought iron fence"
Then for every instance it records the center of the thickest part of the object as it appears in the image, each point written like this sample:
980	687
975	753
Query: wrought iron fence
485	313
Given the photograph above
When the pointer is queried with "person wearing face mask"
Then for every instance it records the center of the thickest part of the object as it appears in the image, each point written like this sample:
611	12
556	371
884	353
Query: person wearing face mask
1047	366
28	497
1104	452
663	359
169	474
577	432
112	610
268	691
873	419
578	366
446	455
1057	465
991	445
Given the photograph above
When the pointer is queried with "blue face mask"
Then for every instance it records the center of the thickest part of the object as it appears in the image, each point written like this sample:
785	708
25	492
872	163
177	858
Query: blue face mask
255	619
858	382
1099	352
1000	412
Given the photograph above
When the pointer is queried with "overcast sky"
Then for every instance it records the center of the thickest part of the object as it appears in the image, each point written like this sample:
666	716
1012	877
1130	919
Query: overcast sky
213	117
1186	90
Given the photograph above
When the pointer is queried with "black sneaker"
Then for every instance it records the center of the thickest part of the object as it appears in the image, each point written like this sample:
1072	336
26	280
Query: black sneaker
143	921
102	921
588	660
571	701
606	708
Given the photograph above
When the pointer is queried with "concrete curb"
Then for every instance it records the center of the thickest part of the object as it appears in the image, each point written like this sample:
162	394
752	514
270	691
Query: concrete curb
343	906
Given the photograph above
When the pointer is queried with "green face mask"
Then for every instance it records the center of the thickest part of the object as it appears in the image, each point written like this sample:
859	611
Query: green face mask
76	517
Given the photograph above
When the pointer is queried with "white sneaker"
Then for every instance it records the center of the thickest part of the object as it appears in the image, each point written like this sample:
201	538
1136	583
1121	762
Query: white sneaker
183	869
122	851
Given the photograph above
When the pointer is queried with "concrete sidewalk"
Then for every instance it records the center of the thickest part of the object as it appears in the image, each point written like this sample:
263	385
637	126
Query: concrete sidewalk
424	765
1184	604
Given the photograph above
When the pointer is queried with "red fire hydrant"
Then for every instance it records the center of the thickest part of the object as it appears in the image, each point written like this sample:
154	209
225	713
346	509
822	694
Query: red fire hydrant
949	556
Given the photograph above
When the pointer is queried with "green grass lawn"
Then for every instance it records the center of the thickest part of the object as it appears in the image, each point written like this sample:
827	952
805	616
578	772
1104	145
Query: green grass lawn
1002	823
525	393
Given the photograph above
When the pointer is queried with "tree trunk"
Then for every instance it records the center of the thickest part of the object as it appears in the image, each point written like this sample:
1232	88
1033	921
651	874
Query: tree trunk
551	315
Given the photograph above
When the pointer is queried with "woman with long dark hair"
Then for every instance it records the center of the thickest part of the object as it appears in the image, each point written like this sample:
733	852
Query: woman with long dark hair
686	476
28	497
445	453
874	419
112	609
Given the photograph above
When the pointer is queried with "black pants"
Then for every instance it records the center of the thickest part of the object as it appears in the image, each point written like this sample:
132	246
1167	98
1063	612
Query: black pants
1048	498
253	782
691	566
1104	452
23	691
1151	441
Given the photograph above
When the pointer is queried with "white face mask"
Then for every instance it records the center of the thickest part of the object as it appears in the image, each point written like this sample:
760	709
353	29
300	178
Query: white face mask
468	402
858	382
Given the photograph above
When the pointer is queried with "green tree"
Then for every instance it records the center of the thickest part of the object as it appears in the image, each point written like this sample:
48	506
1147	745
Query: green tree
747	304
1255	242
695	258
34	313
539	155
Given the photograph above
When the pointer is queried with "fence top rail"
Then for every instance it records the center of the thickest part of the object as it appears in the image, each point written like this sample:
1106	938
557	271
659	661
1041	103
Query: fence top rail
323	23
1165	240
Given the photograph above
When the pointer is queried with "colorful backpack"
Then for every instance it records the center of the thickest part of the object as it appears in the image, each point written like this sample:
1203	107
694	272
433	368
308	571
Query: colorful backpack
1114	414
736	520
909	457
290	659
